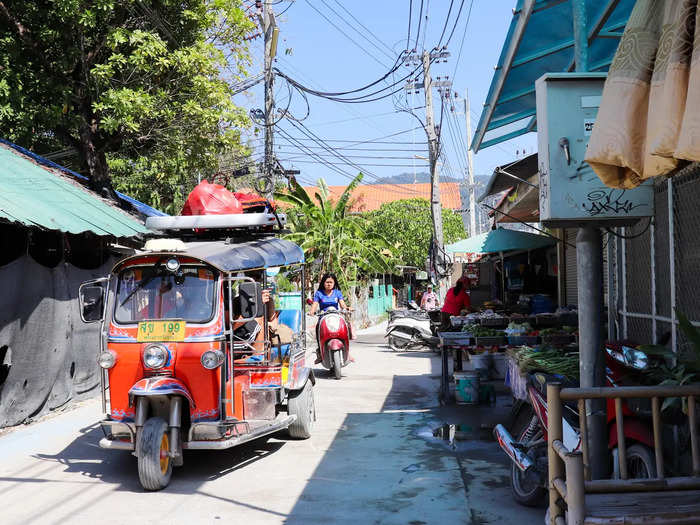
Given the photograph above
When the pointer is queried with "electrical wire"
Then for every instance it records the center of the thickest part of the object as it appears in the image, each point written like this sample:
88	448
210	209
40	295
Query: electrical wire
410	15
629	237
391	51
466	26
420	19
345	34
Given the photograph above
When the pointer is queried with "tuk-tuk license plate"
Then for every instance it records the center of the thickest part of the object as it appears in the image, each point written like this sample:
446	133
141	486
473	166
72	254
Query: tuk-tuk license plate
161	331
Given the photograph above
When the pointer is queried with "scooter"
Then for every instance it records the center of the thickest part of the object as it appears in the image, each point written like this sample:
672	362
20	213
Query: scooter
529	451
413	330
333	338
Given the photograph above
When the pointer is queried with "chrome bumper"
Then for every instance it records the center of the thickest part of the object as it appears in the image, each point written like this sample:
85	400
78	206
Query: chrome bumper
255	432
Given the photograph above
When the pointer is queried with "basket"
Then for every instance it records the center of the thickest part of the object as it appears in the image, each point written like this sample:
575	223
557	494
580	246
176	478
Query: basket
495	322
497	340
523	340
557	340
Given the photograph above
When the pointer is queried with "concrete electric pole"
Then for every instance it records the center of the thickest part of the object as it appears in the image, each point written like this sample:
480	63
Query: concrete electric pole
433	153
270	30
470	164
433	145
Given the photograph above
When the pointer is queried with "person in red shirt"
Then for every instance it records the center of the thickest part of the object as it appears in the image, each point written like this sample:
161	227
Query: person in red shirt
456	300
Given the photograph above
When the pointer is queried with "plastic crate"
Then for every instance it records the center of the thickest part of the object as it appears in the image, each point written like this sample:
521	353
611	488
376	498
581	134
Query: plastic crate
547	320
523	340
557	340
495	322
490	340
455	338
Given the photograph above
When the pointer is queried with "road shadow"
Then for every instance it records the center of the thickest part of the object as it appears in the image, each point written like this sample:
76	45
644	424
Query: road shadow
85	458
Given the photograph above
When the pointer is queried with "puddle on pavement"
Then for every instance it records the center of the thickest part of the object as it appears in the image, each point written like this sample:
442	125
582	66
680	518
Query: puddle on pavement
458	436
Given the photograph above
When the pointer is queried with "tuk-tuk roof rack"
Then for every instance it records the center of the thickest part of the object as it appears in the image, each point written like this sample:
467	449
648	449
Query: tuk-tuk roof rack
245	221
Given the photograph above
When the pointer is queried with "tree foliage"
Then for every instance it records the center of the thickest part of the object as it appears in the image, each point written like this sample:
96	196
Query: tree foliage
327	233
407	225
134	86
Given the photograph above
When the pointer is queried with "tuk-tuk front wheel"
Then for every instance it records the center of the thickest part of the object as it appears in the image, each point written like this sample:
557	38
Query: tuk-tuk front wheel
155	463
301	403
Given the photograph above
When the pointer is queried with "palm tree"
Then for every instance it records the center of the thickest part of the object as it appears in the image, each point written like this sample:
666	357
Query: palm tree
328	233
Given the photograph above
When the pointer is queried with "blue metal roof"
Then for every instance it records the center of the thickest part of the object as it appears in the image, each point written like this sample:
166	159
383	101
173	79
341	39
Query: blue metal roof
541	40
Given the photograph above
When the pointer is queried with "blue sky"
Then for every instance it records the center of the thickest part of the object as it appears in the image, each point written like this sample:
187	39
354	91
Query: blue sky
318	55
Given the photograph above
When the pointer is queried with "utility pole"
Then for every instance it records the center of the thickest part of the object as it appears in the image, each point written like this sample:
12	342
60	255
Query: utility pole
433	153
470	164
433	144
270	30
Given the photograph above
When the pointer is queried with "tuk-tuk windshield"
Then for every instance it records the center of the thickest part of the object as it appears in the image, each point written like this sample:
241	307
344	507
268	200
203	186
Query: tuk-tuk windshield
156	293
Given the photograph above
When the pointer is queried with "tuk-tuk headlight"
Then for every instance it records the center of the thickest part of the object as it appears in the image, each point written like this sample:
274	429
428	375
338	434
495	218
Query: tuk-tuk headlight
212	359
107	359
155	356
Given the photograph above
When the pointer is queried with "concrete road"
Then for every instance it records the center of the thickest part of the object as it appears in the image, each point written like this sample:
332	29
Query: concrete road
373	458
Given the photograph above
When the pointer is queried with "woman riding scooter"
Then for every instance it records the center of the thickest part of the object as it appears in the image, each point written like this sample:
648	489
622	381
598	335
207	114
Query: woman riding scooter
328	295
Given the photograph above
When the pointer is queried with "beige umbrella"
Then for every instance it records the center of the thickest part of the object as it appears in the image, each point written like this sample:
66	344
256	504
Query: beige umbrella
649	117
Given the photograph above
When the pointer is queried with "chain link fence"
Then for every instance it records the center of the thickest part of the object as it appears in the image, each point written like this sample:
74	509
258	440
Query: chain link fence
655	269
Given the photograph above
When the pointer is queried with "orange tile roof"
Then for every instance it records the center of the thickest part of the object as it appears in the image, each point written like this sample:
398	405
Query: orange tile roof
369	197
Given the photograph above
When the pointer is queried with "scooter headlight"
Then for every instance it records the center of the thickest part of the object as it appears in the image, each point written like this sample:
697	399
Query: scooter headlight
635	358
332	322
155	356
212	359
107	359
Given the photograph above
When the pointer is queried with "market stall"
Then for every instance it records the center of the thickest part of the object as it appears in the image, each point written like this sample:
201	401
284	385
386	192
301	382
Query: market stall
498	344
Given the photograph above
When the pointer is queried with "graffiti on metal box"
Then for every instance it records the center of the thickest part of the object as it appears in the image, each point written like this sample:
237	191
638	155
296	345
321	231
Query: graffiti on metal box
606	201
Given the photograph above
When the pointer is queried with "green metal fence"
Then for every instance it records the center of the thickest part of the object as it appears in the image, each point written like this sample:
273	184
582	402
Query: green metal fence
382	300
289	301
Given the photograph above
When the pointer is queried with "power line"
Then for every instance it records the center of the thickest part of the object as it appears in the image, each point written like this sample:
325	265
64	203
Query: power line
466	26
365	28
346	35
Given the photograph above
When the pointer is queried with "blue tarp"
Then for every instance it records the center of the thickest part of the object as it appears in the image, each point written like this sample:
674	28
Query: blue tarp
541	40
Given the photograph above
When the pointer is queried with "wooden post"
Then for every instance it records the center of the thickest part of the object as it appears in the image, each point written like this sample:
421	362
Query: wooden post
554	432
692	421
658	449
575	489
583	423
621	446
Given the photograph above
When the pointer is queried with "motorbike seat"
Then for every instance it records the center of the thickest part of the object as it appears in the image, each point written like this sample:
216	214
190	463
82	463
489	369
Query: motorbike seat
540	379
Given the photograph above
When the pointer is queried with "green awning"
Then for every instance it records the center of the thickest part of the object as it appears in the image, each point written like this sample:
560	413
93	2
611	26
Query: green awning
500	240
35	195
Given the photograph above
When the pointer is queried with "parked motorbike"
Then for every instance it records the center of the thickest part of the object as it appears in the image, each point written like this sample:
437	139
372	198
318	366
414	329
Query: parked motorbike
410	329
529	451
333	338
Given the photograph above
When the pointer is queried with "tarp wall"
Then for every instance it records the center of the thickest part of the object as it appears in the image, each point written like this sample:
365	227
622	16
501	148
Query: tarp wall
47	354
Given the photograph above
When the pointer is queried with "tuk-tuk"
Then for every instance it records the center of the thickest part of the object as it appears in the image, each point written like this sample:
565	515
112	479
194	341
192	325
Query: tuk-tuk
189	357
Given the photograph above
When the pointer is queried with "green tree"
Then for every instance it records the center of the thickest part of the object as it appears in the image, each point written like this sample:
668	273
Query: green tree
407	225
134	86
327	233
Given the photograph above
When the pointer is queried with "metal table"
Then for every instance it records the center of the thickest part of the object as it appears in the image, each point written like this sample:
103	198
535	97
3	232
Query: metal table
450	343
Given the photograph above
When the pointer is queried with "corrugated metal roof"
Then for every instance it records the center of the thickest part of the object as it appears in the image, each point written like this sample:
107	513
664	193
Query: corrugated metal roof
142	208
370	197
541	40
36	195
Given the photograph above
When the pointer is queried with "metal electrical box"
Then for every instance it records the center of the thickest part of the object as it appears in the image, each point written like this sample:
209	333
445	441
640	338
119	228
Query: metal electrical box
570	191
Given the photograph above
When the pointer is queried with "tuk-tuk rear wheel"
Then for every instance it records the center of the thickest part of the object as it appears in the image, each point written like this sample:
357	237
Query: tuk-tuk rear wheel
154	462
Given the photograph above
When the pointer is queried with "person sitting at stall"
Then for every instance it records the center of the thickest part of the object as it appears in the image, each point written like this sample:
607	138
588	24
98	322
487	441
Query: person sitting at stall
456	300
252	305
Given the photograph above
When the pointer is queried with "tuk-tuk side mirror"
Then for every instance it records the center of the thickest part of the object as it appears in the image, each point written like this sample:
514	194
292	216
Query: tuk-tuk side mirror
91	297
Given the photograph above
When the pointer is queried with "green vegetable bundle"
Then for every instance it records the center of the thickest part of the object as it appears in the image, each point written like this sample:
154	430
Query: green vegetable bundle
549	360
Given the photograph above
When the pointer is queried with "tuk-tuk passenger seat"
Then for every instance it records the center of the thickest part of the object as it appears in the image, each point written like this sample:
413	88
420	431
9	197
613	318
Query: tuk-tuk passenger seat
292	319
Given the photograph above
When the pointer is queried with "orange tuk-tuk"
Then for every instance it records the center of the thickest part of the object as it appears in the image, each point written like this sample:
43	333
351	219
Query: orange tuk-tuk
192	356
